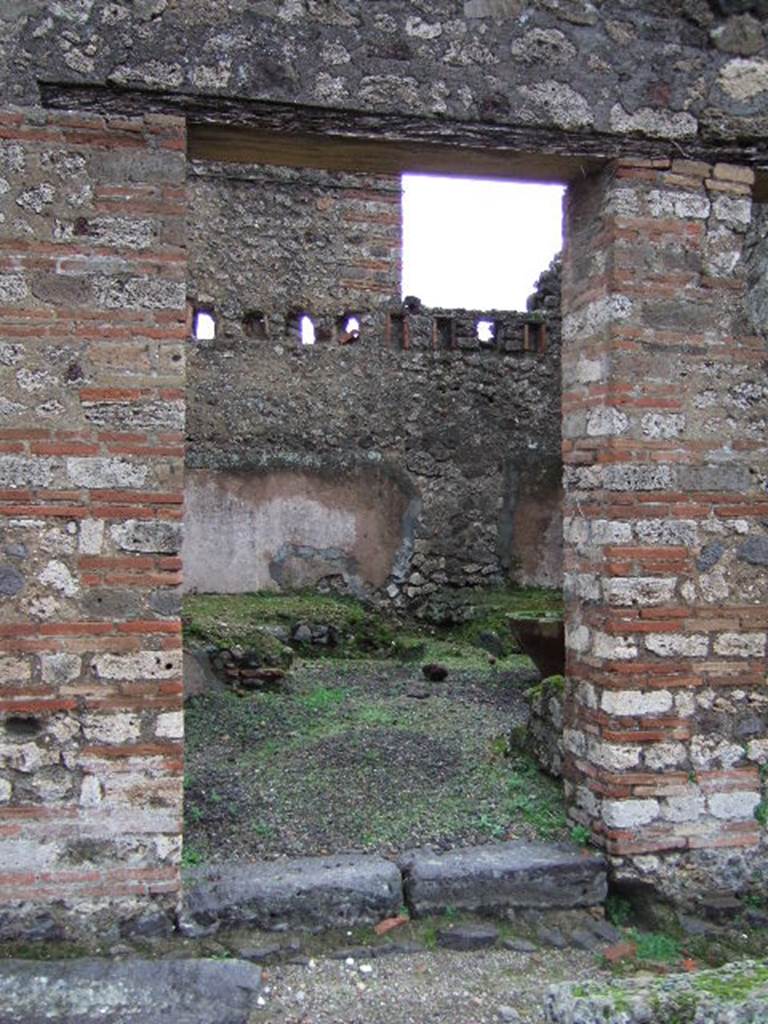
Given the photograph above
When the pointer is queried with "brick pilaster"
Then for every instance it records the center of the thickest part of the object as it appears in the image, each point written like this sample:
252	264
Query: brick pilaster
666	539
92	332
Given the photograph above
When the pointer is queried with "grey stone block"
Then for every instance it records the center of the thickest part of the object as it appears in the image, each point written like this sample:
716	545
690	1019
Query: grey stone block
710	556
725	477
516	945
466	937
492	878
754	551
305	892
117	991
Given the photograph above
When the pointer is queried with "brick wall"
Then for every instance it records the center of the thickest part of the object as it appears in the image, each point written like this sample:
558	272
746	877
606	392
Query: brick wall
666	529
92	332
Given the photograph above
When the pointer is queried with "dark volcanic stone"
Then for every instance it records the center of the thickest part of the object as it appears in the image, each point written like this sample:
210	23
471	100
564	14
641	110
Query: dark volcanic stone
418	690
467	936
303	892
269	954
605	930
519	945
720	906
552	937
582	938
754	551
11	581
87	991
435	673
710	556
503	875
491	642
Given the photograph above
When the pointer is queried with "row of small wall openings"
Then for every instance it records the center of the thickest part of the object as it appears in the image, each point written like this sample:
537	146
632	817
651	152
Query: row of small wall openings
468	243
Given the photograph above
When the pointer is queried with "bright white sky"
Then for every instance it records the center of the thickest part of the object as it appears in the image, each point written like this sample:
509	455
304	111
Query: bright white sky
476	244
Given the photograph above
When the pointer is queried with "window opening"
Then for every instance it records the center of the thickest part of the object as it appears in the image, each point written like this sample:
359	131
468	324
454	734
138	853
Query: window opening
444	332
307	330
255	324
486	332
473	243
349	330
397	331
204	325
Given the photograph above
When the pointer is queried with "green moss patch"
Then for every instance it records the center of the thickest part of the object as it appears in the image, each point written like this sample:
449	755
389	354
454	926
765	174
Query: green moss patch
367	756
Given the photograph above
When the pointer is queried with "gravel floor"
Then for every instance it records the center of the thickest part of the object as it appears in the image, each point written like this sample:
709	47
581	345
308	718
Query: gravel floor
425	988
363	756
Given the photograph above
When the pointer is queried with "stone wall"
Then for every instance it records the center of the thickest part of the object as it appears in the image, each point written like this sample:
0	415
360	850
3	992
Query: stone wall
665	398
92	320
666	468
462	436
692	71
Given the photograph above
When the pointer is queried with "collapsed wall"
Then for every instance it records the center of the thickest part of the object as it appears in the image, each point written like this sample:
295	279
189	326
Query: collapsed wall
403	458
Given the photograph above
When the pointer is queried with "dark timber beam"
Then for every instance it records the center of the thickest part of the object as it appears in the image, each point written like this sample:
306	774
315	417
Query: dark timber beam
247	130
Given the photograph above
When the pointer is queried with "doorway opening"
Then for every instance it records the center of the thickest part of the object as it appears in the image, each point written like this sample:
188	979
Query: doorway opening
358	510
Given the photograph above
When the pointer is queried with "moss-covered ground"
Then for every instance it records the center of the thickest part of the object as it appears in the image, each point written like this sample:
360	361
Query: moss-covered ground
357	750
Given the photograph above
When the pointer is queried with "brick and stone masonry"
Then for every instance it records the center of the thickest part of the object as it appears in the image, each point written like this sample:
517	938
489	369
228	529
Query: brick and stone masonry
92	313
414	462
665	522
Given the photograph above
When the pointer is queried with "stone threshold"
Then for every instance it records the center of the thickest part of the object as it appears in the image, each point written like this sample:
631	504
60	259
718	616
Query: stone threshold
316	893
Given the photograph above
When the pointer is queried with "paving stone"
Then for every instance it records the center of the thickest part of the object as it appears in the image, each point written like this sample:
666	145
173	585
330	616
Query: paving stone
605	930
508	1015
269	954
552	937
582	938
86	991
467	937
495	877
519	945
303	892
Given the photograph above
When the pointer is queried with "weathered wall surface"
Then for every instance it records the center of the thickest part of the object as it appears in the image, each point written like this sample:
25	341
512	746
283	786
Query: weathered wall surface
470	430
669	70
286	529
666	495
92	331
664	413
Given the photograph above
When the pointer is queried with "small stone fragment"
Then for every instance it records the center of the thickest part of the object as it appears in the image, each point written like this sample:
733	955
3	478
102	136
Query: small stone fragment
11	581
552	937
508	1015
584	939
434	672
389	923
754	551
605	930
519	945
467	937
620	951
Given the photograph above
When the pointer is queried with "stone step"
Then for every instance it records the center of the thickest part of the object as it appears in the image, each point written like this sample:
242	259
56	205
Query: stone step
100	991
493	878
330	892
302	892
